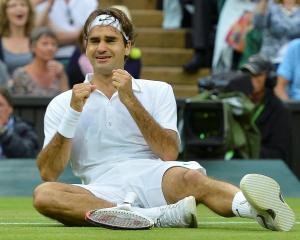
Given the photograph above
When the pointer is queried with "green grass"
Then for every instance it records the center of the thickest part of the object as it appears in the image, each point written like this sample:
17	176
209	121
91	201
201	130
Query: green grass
19	220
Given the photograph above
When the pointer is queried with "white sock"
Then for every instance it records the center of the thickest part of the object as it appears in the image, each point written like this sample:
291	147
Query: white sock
241	207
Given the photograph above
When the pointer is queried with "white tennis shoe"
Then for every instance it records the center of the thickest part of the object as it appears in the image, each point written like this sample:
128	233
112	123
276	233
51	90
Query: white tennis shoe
181	214
270	209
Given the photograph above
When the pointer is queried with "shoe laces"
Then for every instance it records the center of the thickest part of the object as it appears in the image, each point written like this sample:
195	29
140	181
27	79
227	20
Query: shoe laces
171	216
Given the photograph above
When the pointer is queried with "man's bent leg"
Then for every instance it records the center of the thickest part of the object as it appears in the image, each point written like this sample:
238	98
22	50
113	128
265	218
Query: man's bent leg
66	203
259	199
180	182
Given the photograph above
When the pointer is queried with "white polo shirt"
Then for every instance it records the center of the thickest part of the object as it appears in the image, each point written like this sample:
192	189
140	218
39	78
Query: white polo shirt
106	133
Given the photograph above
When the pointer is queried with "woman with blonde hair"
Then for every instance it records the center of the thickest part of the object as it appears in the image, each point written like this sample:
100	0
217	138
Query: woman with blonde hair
16	23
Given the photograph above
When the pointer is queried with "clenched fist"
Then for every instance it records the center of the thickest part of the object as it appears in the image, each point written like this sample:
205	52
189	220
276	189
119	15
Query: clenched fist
80	93
122	81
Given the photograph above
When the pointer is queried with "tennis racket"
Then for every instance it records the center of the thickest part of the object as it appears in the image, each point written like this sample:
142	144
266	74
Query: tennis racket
115	218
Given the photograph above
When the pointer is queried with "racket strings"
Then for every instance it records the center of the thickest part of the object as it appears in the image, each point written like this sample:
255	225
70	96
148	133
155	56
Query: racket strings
118	219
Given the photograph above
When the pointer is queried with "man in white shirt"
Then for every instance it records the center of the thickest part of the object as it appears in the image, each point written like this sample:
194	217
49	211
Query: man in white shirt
120	136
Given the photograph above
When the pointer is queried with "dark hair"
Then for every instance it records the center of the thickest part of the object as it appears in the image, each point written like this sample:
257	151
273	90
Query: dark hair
37	33
126	24
258	65
4	92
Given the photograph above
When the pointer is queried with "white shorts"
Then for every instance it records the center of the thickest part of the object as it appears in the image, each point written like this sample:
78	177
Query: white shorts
144	177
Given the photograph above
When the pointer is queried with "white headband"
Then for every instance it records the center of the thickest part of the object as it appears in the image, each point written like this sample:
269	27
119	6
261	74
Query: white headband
107	20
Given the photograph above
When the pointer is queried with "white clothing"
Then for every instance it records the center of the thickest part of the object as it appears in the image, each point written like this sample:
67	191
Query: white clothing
172	14
231	12
106	134
109	152
141	176
62	13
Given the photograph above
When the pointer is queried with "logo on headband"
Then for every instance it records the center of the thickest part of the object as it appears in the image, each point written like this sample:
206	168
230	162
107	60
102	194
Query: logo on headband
107	20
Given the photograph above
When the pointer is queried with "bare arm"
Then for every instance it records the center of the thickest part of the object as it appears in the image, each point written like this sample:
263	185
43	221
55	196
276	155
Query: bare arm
163	142
42	17
64	37
53	159
262	7
67	37
280	89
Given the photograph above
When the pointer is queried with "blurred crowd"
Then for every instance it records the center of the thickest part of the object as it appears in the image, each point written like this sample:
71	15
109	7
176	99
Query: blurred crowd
226	33
42	47
261	39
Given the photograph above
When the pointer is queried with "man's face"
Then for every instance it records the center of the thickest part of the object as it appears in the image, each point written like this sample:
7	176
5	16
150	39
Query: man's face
258	82
105	49
5	111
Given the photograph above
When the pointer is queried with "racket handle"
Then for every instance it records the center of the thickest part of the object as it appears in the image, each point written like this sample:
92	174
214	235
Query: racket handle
130	198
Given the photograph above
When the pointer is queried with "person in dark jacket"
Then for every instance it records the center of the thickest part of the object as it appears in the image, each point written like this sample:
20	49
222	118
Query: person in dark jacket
271	116
17	138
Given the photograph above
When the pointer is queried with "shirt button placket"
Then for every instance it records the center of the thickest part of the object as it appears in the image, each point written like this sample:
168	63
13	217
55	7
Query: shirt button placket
109	115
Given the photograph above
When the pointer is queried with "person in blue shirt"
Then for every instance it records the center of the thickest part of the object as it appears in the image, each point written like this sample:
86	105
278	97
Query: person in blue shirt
288	72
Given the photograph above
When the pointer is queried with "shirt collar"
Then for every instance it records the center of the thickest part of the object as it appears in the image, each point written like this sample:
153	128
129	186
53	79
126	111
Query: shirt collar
135	86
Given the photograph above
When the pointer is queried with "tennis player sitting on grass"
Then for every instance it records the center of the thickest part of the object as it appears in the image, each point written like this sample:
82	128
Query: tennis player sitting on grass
120	136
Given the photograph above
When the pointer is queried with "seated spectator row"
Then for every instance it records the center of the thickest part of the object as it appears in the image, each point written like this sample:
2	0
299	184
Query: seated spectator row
239	29
42	47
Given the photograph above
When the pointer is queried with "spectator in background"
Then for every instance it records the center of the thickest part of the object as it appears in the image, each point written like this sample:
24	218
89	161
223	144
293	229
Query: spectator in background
4	76
43	76
16	23
205	18
17	138
172	14
288	72
230	14
66	19
271	116
280	24
79	65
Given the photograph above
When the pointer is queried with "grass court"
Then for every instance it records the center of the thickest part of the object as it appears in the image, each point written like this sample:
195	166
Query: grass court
19	220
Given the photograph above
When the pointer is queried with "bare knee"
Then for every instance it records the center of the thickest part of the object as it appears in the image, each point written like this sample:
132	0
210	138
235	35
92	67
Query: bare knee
42	196
197	183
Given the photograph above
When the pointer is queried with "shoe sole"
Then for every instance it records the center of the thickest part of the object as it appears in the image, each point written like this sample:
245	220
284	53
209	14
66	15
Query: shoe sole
263	193
114	218
190	204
